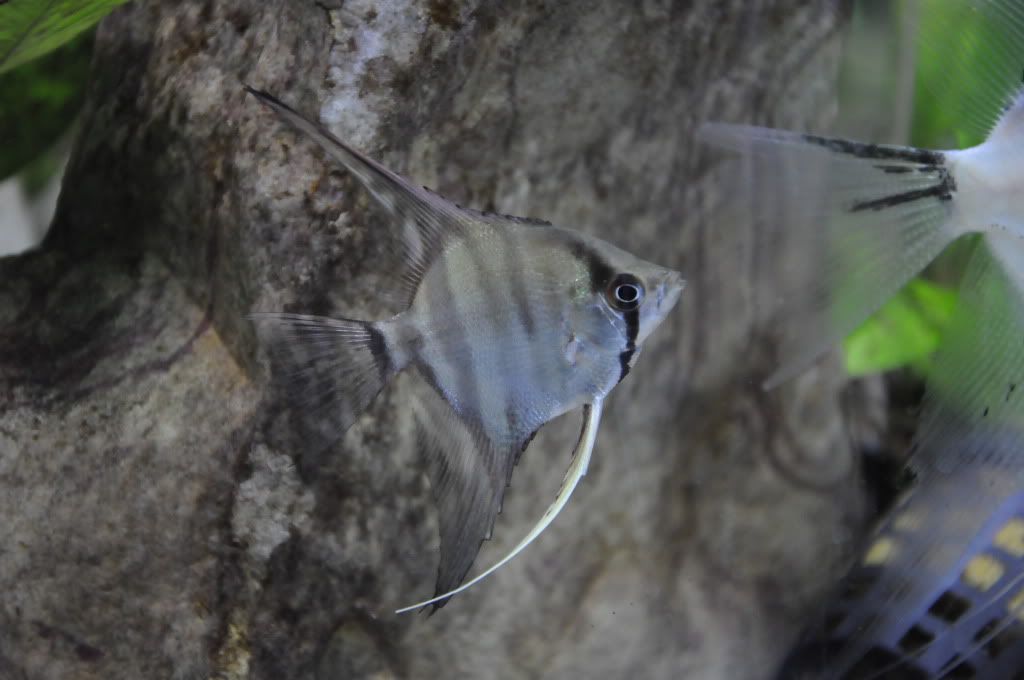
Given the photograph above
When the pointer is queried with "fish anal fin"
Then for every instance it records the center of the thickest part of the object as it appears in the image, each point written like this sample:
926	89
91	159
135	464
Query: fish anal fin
577	469
468	466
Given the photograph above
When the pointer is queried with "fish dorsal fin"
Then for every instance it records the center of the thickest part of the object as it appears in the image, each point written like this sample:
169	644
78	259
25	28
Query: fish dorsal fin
500	219
490	217
577	469
427	219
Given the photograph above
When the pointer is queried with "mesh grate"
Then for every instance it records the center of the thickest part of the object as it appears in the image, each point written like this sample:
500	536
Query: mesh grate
969	626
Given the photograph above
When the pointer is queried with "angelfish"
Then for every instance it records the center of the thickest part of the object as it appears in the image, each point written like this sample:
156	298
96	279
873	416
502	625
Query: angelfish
510	322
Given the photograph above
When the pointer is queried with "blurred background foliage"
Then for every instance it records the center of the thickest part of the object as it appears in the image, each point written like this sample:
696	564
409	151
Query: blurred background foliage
38	102
45	54
31	28
45	49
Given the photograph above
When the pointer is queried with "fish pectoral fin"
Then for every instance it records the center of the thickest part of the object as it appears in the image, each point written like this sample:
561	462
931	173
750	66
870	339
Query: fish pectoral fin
577	469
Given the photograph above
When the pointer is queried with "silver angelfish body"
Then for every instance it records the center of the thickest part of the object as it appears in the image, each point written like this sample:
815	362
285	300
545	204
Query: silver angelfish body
511	322
520	322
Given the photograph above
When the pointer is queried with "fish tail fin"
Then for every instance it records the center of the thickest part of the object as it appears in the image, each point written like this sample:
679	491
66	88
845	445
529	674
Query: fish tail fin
857	221
1010	126
328	369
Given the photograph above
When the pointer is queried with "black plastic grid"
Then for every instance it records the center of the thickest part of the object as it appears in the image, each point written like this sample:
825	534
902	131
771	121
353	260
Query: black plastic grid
963	628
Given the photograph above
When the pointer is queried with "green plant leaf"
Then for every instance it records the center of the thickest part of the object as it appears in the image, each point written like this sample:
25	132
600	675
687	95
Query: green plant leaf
969	62
38	101
31	28
906	331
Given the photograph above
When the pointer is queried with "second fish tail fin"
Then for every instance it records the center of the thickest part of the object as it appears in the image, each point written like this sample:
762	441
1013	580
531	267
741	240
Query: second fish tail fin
1010	125
858	221
329	369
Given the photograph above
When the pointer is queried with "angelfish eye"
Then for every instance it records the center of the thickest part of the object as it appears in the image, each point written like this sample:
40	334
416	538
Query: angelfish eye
625	292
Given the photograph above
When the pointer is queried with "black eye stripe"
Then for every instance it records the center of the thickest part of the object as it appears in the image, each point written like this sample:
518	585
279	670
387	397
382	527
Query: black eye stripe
600	271
632	318
604	280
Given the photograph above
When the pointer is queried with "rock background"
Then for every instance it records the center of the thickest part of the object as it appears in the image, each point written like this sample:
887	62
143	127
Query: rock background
158	520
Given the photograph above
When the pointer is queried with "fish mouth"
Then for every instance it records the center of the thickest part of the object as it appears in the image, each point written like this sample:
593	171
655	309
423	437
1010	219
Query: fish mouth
669	290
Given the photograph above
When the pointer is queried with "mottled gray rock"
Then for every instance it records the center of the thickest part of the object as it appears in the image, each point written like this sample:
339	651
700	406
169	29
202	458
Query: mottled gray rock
157	518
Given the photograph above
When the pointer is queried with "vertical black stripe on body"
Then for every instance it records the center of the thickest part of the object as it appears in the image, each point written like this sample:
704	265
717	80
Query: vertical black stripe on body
505	324
450	346
494	287
379	352
601	275
516	281
601	272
